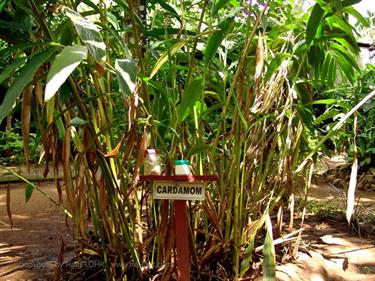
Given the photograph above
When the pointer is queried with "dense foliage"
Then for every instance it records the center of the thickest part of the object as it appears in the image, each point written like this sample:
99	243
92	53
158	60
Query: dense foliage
232	86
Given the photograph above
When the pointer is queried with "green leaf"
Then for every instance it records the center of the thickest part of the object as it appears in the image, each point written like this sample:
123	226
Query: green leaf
3	4
89	33
60	126
325	68
16	26
247	258
23	46
217	37
346	3
168	8
29	188
357	15
315	20
161	32
350	46
164	57
191	94
78	122
324	101
338	22
11	68
22	80
63	65
65	33
269	262
219	4
346	54
127	74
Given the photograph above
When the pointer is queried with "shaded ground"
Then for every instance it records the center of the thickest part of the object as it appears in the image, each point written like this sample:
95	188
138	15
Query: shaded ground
30	250
327	252
330	252
329	249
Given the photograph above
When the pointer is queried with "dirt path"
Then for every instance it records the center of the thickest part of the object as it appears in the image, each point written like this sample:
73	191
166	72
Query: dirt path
330	252
30	250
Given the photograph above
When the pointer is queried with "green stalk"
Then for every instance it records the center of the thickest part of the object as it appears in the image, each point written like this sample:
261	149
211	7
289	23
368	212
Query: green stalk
192	53
249	38
100	229
236	207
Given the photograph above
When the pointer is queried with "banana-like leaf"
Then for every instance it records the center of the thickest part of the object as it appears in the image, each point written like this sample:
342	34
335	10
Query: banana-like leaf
63	65
23	79
192	93
269	260
127	74
314	22
89	33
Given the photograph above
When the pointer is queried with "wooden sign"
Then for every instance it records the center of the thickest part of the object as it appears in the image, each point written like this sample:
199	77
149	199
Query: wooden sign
177	190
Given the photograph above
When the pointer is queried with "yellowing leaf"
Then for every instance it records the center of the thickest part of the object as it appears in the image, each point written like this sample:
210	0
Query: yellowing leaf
164	57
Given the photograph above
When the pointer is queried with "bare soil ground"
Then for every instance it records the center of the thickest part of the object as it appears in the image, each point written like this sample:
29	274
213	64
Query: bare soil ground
329	251
30	250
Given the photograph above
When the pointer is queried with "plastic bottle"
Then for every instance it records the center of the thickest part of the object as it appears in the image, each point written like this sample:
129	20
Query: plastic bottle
182	167
152	162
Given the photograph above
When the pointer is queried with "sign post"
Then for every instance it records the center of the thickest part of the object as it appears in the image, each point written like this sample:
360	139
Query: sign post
182	241
180	188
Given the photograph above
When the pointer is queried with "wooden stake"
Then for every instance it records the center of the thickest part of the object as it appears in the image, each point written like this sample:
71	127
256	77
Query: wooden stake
182	241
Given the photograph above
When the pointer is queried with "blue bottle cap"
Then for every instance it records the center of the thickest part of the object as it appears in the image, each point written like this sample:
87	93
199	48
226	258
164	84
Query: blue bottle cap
182	162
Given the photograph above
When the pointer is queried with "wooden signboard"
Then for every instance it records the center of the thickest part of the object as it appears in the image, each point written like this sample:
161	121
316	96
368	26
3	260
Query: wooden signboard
172	190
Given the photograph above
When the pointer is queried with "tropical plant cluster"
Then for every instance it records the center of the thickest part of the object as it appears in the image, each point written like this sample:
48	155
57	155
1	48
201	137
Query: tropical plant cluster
233	86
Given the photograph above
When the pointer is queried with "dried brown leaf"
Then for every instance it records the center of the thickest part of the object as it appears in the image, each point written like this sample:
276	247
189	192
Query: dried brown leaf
140	156
116	150
259	59
60	260
130	143
169	246
102	195
38	90
59	191
25	122
213	215
163	227
66	167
